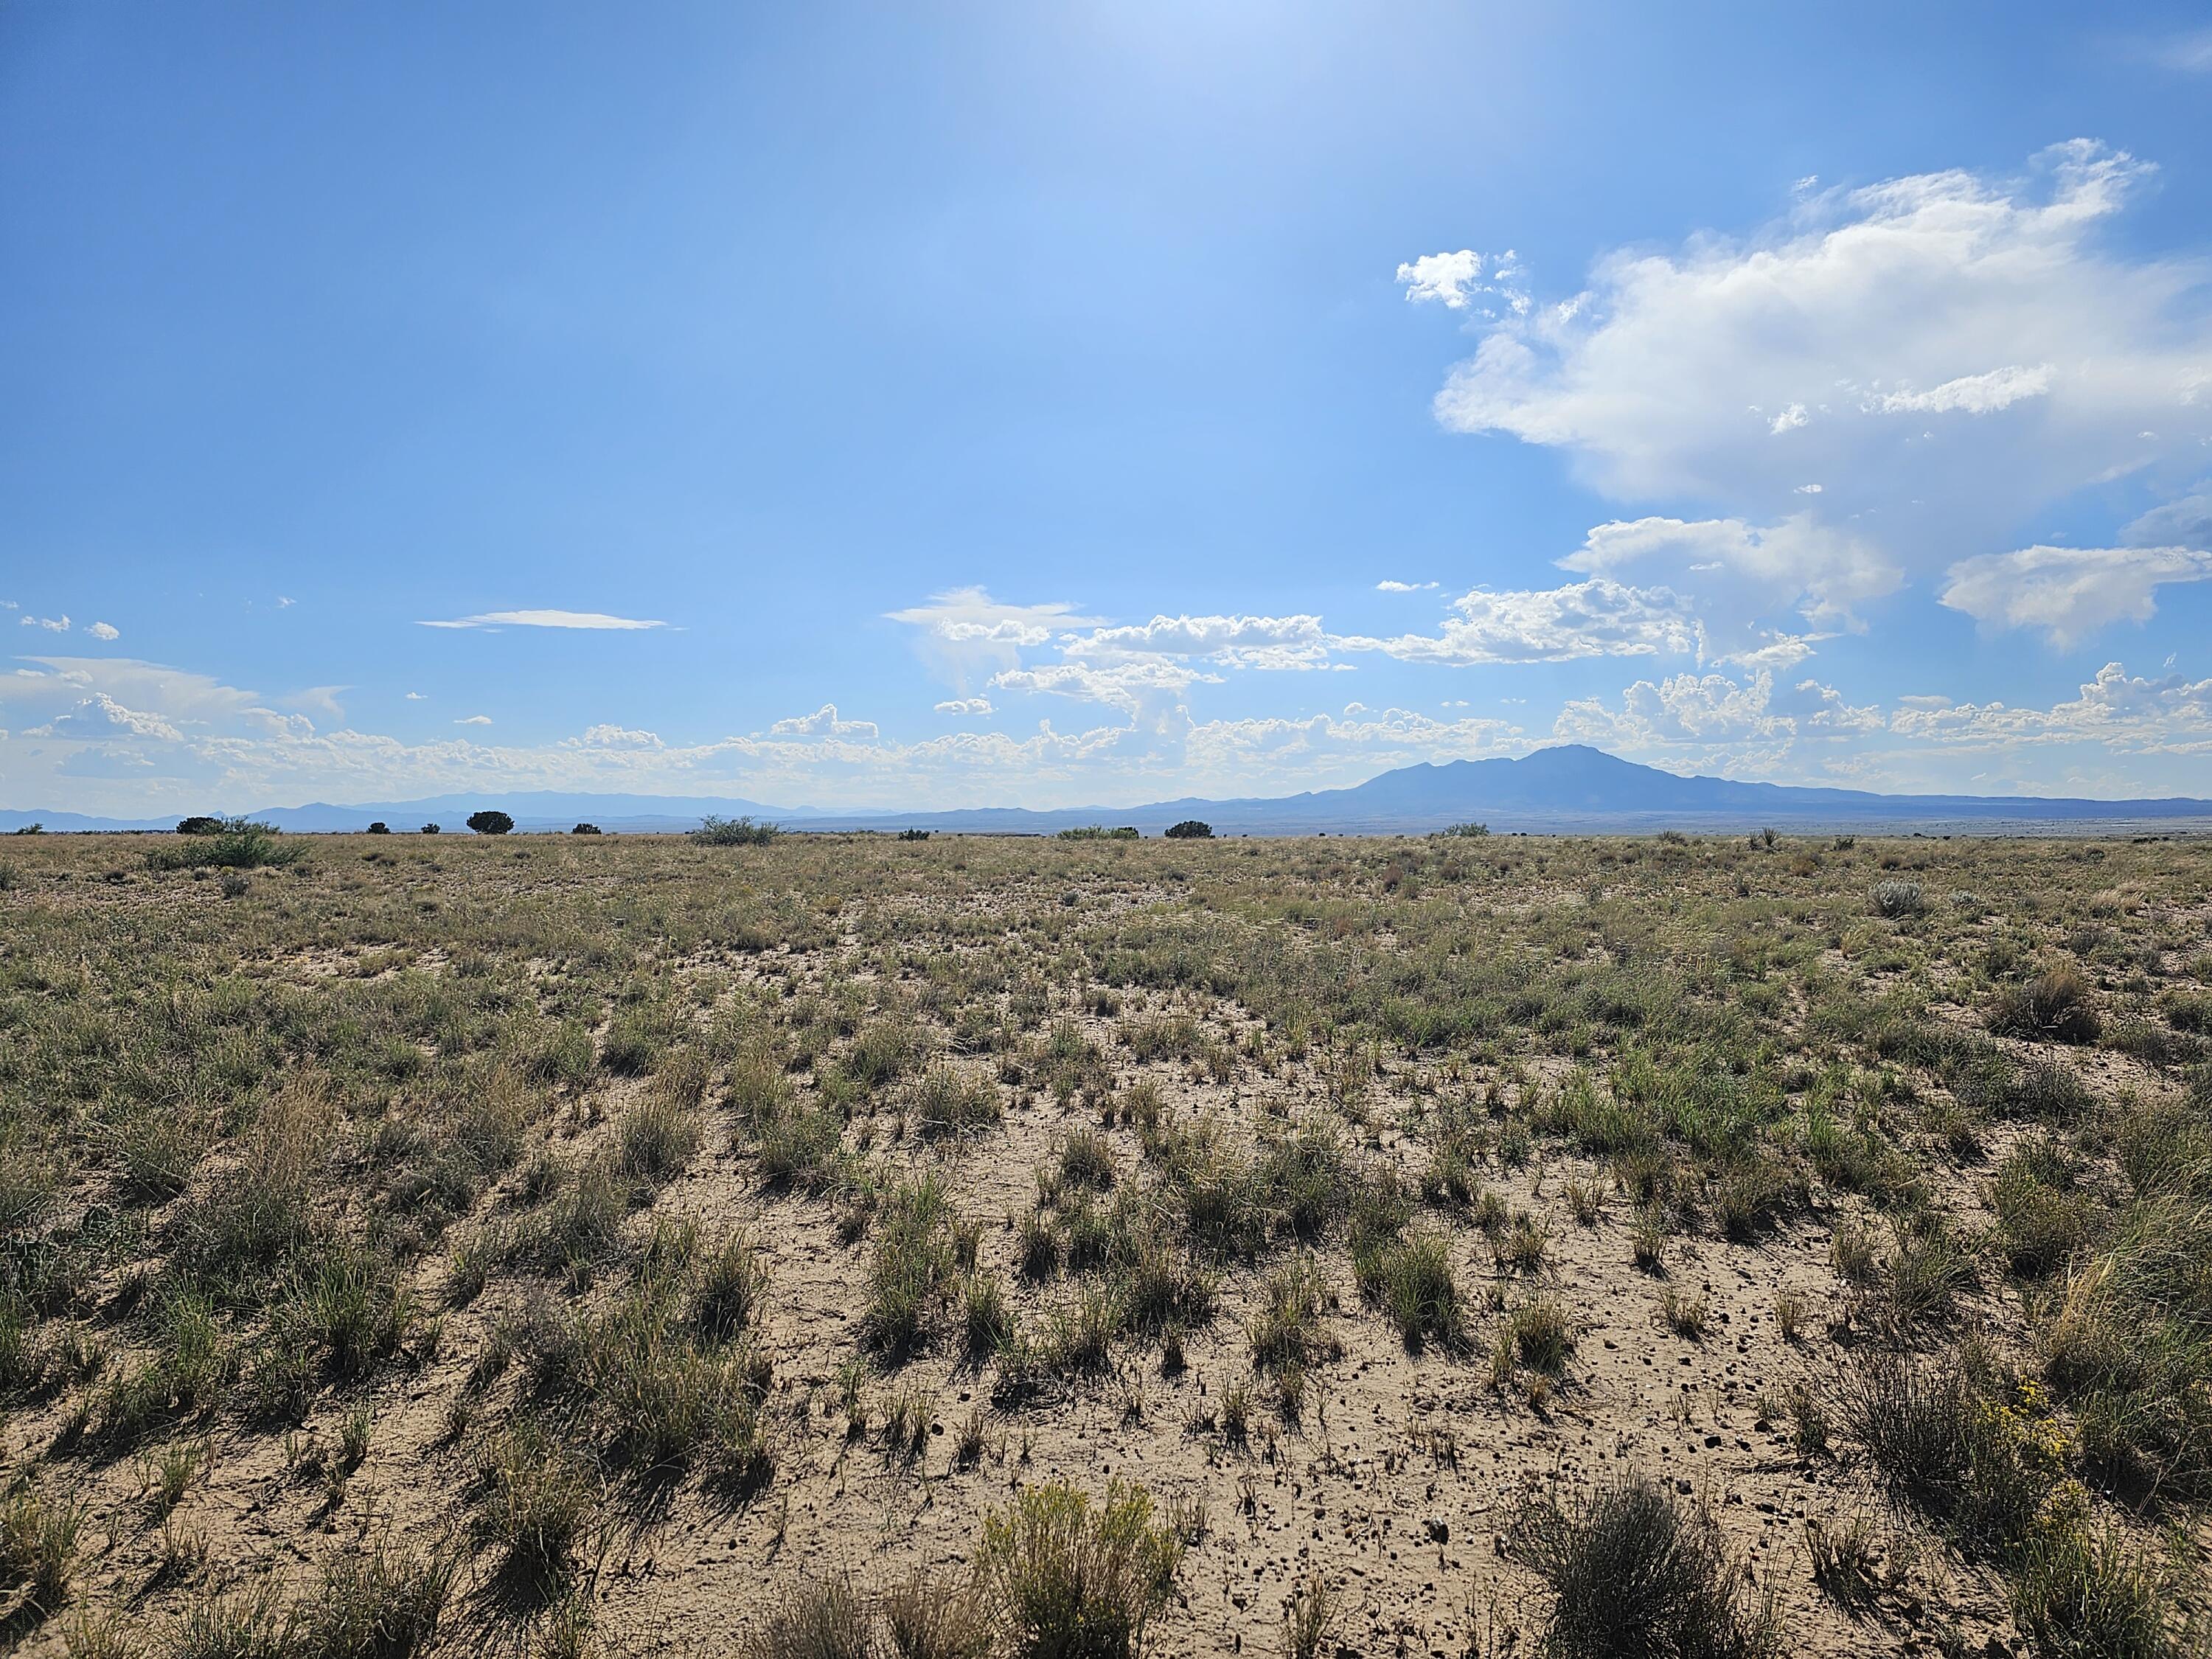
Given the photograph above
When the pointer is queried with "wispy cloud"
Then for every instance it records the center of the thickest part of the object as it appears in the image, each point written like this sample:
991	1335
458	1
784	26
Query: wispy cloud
582	619
1403	587
474	720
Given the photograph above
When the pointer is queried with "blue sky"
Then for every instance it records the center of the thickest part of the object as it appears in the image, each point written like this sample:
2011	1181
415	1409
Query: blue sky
1019	403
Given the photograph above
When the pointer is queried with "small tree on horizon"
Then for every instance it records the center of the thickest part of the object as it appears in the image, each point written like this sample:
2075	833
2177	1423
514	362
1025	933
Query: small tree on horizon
429	828
1191	829
200	823
379	827
491	822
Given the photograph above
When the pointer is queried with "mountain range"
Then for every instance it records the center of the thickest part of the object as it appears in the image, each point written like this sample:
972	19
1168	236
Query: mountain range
1568	787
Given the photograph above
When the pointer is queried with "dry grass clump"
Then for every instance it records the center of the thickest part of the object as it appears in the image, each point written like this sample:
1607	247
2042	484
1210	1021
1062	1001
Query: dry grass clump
1633	1575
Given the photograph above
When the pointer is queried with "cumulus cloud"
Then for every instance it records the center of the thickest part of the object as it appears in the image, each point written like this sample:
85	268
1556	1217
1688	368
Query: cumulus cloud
2069	593
964	706
1735	727
100	717
51	625
100	630
1599	617
609	736
965	634
1445	278
474	720
2170	714
823	722
1234	641
577	619
1402	587
1944	351
1820	572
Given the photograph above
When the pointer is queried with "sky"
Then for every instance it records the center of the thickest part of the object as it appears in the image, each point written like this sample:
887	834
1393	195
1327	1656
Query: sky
980	404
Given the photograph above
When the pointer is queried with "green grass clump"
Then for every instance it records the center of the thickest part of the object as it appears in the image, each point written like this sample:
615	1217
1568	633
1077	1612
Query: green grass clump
1413	1280
911	1267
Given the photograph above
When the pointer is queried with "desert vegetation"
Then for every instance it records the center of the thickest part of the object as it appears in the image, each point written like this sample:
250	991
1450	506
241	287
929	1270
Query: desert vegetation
780	1245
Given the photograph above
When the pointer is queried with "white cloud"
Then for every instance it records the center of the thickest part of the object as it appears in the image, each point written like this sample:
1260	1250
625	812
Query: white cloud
612	736
1446	278
2170	714
1711	721
1402	587
1235	641
51	625
2191	53
474	720
966	635
823	722
417	696
284	603
2069	591
179	696
100	717
100	630
1135	687
964	706
1971	394
1796	562
2032	353
583	619
1596	618
2185	522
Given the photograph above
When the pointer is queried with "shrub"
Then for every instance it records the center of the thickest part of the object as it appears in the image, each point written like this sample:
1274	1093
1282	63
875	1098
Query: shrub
585	829
1100	832
199	824
911	835
379	827
233	844
733	832
1633	1574
1071	1581
429	828
1190	829
491	822
1899	899
1465	831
